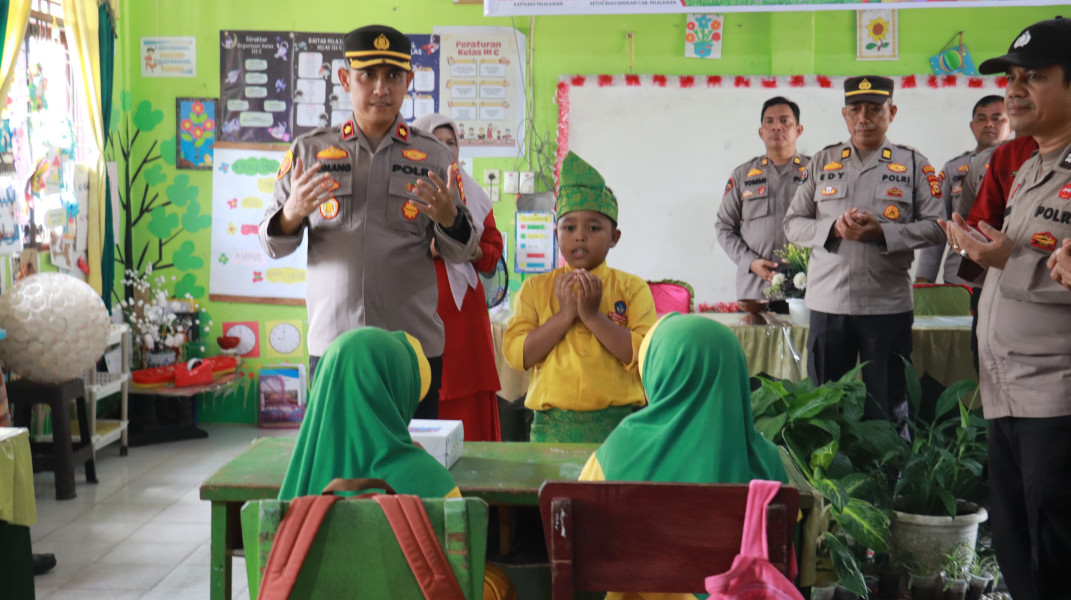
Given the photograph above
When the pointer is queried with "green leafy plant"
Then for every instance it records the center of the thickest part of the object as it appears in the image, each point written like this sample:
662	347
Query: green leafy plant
943	463
840	456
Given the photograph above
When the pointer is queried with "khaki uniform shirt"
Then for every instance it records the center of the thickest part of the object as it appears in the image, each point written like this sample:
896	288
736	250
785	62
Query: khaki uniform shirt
973	182
900	188
1024	317
369	260
953	177
751	218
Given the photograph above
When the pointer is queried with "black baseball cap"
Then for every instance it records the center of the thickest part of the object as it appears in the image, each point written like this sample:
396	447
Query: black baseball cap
1043	44
868	88
378	45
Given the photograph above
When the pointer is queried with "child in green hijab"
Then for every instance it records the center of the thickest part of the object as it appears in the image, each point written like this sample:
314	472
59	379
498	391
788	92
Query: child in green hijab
578	327
367	387
697	427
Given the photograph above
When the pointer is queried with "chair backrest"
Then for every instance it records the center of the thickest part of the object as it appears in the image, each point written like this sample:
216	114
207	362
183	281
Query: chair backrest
356	555
671	295
653	537
933	300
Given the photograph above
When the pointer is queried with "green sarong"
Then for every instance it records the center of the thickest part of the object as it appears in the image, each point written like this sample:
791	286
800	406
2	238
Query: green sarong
577	426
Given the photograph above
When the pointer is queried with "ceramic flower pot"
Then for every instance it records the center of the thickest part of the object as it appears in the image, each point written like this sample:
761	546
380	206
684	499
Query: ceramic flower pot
798	311
926	539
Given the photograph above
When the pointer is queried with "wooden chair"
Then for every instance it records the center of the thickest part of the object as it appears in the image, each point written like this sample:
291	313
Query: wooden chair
652	537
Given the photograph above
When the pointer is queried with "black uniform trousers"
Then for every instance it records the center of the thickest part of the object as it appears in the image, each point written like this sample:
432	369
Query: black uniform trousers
429	406
837	343
1030	504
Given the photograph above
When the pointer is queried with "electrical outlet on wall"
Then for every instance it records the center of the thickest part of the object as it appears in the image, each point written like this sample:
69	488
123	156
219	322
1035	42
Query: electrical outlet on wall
527	185
510	182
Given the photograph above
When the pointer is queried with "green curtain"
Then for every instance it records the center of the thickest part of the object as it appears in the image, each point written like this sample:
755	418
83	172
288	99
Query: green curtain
107	72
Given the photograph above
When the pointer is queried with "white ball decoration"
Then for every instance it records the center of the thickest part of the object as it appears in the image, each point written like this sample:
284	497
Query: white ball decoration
57	327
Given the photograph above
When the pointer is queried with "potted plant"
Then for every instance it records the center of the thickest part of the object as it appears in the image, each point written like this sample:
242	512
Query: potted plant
812	424
790	282
983	576
161	326
939	468
955	573
923	582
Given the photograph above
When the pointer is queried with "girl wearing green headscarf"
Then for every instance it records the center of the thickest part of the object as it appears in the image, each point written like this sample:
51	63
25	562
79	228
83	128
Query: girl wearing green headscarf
697	427
367	387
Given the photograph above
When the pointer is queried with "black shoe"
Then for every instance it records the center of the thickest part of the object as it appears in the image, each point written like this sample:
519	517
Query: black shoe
43	563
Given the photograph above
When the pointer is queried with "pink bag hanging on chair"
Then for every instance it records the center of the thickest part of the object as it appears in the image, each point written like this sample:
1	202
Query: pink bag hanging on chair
752	577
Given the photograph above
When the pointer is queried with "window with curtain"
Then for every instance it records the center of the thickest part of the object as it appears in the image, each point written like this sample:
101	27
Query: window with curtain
42	124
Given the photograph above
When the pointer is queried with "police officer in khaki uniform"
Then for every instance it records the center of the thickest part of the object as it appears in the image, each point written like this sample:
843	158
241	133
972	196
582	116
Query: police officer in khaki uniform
372	194
751	218
864	208
990	128
1024	328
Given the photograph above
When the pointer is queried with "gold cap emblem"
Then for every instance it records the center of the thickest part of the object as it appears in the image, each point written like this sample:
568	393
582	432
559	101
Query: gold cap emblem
864	85
381	42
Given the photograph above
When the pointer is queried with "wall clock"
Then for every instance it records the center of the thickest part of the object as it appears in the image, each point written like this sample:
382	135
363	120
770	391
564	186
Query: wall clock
249	346
284	338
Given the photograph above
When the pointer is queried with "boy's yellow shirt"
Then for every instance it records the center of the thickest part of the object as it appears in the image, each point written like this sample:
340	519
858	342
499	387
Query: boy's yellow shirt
580	373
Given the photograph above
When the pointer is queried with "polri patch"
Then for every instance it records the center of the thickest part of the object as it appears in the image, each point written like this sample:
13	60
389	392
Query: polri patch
895	192
284	167
414	154
402	133
409	211
829	190
886	153
329	209
897	168
729	185
833	166
956	189
748	194
963	168
332	153
846	153
1065	192
1044	241
892	212
349	130
754	172
935	185
928	169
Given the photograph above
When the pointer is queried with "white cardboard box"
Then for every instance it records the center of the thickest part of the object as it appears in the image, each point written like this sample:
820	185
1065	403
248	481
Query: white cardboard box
442	439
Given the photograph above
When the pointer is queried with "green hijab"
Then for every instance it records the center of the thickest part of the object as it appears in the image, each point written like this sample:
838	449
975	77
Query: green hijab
367	387
697	427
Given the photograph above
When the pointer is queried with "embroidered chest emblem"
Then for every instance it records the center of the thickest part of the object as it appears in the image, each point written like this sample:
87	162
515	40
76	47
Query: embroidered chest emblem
414	154
833	166
329	209
897	168
1044	241
892	212
409	211
332	153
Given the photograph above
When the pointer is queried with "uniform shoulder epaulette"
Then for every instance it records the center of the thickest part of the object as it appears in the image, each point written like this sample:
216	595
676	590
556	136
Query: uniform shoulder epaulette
831	146
315	132
908	148
959	156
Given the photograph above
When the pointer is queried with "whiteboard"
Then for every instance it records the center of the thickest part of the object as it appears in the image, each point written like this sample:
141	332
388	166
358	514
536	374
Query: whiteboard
242	184
667	144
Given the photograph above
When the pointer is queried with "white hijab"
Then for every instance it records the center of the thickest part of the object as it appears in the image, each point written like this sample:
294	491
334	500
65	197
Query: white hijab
460	275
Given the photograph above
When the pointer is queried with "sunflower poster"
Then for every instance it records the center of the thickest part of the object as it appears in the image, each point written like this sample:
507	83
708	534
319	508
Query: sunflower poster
877	35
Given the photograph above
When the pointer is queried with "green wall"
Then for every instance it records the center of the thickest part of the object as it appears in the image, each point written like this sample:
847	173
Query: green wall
755	44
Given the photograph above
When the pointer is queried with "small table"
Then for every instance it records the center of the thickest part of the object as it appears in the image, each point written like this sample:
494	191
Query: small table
501	473
178	431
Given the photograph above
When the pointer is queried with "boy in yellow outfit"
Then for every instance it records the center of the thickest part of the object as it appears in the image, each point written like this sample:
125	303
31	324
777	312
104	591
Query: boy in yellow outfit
579	327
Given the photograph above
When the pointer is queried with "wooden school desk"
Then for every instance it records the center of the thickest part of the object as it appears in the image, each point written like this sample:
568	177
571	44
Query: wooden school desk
501	473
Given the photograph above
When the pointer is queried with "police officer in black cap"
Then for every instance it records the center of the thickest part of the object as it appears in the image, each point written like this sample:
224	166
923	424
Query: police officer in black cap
864	207
372	195
1024	323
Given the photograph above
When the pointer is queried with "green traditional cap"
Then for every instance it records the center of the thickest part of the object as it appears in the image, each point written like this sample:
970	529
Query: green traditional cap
581	187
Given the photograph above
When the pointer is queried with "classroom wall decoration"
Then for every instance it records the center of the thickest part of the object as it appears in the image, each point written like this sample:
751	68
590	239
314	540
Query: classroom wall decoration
168	57
195	120
954	58
482	88
697	160
702	35
242	184
255	88
502	8
10	231
877	35
423	95
248	334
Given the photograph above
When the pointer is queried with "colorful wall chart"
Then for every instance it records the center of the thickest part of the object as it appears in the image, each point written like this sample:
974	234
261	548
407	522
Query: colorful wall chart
255	86
481	88
536	250
242	183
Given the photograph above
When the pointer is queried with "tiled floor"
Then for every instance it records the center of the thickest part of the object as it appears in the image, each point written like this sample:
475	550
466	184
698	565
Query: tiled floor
143	531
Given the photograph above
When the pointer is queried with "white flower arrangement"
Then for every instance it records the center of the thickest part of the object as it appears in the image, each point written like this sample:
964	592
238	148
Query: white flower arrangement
152	316
800	281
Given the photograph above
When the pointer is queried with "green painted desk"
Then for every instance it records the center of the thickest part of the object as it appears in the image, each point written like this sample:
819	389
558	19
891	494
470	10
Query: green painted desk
501	473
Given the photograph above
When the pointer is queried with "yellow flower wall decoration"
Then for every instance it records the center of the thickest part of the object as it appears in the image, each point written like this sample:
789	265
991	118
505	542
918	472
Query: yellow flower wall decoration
877	29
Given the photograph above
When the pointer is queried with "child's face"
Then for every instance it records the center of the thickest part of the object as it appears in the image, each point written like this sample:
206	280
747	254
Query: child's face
585	237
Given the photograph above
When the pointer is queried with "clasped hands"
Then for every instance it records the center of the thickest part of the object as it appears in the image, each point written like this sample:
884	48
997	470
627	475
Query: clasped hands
309	189
579	294
991	248
858	226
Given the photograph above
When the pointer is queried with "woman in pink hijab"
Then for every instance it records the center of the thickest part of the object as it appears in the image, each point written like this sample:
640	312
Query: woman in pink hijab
470	380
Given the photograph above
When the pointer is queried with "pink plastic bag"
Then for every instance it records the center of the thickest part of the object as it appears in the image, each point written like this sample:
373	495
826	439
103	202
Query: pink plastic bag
752	577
